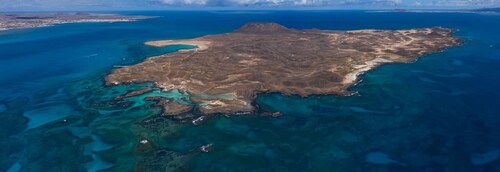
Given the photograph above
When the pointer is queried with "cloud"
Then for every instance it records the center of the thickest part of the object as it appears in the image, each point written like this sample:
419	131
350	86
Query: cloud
416	4
273	2
457	3
234	2
329	3
374	2
49	4
159	4
184	2
335	3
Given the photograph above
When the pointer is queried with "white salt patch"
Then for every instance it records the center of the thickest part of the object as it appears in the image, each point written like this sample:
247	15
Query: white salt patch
379	158
484	158
206	148
14	168
198	120
39	117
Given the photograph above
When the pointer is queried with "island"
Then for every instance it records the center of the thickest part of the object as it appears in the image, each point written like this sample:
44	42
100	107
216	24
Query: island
10	21
226	71
478	11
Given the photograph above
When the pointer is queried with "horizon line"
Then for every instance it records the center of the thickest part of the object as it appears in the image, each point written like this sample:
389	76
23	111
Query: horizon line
246	9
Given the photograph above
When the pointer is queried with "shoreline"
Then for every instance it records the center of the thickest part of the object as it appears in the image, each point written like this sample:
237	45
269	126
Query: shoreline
254	61
38	20
352	77
200	44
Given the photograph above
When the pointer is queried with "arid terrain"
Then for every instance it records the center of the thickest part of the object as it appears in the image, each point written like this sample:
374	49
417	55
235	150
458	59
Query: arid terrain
10	21
268	57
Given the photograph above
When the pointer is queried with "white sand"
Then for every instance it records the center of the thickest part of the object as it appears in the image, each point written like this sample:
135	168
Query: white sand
350	78
202	45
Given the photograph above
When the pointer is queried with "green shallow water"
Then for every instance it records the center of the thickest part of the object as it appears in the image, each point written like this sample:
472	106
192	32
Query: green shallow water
437	114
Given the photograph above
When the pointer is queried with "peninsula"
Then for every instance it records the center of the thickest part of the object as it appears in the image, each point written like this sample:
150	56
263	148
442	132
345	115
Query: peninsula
226	71
10	21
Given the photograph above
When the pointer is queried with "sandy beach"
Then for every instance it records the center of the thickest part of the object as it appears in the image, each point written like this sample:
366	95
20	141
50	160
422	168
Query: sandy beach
352	77
202	45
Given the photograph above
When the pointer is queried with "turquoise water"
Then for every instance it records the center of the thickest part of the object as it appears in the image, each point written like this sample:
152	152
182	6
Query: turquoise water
440	113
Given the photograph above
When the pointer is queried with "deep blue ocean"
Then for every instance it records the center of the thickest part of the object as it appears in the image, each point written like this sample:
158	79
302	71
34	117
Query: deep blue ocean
441	113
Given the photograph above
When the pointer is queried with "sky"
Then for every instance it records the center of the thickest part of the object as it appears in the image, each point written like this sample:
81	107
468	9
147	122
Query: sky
100	5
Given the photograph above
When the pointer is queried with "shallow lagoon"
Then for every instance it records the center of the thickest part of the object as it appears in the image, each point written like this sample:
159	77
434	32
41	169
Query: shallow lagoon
438	114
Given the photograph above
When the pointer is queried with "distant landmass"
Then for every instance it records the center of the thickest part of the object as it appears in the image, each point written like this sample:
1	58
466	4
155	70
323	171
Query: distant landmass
480	10
226	71
495	10
30	20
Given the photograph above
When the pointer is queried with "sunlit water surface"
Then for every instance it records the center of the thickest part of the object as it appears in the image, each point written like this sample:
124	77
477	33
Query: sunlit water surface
440	113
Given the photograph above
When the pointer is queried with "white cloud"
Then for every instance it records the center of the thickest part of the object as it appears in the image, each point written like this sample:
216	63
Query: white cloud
463	3
186	2
233	2
145	4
